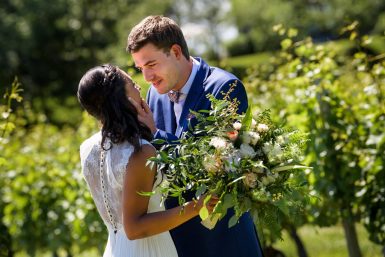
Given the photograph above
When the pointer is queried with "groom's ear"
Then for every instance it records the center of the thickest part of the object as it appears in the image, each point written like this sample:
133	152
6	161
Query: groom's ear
176	50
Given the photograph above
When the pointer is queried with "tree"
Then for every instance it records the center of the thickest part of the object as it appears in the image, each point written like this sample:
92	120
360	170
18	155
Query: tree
6	129
332	95
318	19
212	17
51	44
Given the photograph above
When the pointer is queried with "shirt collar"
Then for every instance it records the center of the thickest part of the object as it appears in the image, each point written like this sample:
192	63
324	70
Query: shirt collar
186	88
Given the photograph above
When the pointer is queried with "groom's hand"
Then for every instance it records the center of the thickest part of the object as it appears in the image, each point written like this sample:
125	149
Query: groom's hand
144	114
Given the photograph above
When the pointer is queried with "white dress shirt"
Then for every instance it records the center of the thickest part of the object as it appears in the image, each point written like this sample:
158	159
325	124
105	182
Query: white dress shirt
178	107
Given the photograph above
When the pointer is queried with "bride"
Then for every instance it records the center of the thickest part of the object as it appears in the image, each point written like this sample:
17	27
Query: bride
114	166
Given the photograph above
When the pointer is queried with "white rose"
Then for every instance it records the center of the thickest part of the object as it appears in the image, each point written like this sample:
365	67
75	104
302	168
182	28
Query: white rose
237	125
218	142
262	128
254	136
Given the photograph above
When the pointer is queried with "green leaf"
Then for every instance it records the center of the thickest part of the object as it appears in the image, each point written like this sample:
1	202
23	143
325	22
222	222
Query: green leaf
163	156
233	221
146	193
228	201
201	190
159	141
203	213
286	43
247	119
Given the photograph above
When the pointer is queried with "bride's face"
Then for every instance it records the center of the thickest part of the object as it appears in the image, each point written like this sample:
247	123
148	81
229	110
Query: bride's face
132	89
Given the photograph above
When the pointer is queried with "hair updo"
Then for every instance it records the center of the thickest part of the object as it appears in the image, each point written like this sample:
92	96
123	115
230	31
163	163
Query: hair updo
102	93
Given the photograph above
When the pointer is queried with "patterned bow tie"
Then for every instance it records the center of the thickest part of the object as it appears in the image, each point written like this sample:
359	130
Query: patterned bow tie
174	96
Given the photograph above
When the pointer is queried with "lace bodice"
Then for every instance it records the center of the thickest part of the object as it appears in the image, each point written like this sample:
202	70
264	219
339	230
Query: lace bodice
108	200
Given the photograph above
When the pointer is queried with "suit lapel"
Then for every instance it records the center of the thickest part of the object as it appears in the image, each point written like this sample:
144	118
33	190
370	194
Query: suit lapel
195	93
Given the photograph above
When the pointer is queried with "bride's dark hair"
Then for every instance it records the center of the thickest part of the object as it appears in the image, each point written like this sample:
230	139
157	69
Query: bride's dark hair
102	93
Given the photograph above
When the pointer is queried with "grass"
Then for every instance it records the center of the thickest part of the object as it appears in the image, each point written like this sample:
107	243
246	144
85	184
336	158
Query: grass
328	242
319	242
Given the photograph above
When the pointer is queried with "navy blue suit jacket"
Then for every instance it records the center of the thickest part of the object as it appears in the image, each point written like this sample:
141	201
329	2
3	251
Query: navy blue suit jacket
192	239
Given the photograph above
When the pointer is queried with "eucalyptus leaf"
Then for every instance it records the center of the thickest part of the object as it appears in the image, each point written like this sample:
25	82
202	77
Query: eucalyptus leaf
203	213
233	221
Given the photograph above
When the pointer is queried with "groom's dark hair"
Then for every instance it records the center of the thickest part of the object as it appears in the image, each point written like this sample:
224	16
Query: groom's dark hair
158	30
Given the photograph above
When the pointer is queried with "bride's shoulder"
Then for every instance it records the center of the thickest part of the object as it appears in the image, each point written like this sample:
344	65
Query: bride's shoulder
90	143
147	150
92	140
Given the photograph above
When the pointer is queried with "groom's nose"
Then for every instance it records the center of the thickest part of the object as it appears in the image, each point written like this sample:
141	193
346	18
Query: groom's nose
148	75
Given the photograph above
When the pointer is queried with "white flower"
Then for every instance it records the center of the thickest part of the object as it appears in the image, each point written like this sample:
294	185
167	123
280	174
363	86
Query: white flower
247	151
254	137
211	163
262	128
250	179
237	125
267	147
250	137
218	142
280	140
277	151
273	151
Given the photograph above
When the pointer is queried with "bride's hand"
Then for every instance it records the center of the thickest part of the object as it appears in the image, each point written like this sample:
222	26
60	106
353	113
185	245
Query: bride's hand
144	113
209	205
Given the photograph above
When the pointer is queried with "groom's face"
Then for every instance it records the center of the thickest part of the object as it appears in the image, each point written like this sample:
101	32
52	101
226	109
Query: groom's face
160	68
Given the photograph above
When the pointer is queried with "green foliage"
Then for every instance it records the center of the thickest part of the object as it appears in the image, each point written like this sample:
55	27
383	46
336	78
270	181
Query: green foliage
6	129
52	44
319	19
327	242
249	163
339	99
44	204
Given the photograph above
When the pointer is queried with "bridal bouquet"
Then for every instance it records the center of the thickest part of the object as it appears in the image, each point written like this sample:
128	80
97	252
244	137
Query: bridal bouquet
250	163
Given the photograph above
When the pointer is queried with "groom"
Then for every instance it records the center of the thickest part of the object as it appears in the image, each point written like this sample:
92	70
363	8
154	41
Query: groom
180	83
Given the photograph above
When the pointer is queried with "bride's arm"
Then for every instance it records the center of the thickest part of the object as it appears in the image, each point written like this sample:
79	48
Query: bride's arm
137	222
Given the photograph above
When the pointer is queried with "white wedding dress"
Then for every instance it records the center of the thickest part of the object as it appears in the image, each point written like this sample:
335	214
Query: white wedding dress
108	200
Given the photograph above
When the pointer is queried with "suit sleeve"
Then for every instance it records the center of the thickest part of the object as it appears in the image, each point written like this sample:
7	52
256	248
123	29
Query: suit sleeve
161	134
